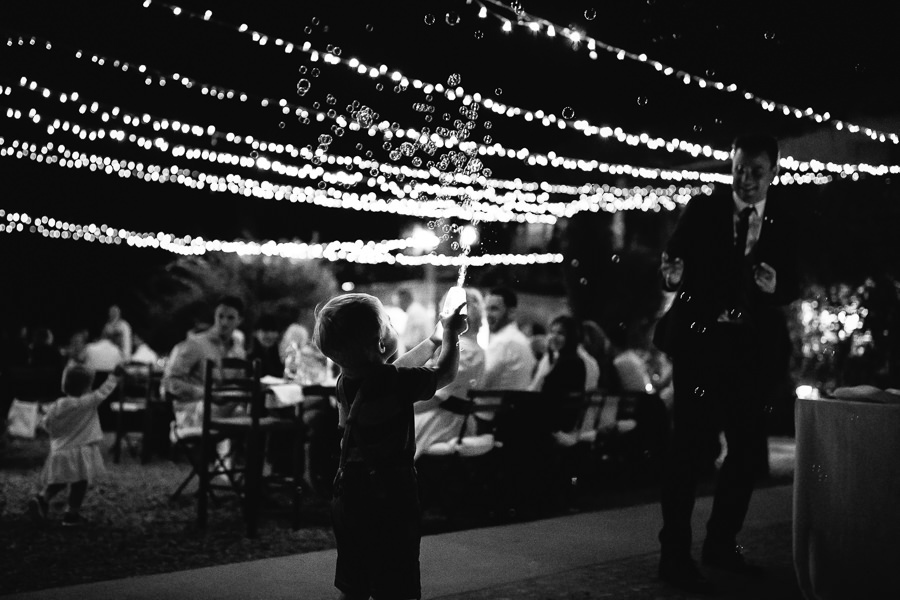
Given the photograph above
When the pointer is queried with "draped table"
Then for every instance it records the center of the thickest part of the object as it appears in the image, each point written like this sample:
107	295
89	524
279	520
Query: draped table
847	499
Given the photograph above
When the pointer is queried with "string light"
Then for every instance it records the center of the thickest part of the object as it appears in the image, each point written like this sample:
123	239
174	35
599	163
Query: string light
384	252
524	18
496	149
550	159
235	184
545	118
528	20
521	196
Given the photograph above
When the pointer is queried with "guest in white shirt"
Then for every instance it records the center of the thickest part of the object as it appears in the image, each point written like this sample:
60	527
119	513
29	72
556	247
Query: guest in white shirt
119	330
103	355
509	361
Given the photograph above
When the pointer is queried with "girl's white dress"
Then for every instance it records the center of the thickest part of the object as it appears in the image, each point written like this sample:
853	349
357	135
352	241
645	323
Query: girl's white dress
75	437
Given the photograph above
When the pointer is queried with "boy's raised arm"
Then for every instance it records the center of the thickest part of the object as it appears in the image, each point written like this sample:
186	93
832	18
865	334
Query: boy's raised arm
448	362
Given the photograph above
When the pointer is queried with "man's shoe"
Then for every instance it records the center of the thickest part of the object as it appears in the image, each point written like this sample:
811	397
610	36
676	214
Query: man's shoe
730	558
684	575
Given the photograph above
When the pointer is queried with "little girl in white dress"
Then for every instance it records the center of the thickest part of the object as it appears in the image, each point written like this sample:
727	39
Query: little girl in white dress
75	437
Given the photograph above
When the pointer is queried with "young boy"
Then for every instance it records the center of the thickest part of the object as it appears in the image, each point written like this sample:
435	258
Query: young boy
375	510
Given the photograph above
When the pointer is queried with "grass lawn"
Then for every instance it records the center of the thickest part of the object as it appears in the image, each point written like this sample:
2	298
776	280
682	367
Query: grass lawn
134	529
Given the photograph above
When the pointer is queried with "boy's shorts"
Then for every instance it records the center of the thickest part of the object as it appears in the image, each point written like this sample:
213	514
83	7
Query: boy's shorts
377	526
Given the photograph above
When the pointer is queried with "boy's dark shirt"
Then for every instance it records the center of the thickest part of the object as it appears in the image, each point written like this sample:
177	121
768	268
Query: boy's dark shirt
384	432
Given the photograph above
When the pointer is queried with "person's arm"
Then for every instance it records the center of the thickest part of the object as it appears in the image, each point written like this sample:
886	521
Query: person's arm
180	382
96	397
127	344
672	266
421	353
543	369
448	361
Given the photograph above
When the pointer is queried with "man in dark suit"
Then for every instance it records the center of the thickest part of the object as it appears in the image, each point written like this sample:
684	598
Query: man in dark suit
731	262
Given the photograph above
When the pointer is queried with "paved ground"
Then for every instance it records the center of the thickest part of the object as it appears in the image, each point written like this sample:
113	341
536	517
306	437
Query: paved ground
607	554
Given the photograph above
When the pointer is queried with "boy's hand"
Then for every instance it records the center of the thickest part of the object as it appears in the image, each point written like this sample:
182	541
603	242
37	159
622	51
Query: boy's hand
455	322
672	270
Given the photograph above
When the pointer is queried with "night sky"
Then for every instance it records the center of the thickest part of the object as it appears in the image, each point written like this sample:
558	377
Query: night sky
840	59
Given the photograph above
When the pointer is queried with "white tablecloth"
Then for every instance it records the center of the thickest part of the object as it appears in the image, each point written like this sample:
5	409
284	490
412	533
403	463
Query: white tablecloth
847	499
281	394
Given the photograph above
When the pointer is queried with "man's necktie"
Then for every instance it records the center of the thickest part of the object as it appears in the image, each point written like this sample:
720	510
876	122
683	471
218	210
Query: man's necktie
743	226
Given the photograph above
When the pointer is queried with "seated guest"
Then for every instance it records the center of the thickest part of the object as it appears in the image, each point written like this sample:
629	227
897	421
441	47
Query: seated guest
564	369
41	350
73	353
632	364
596	343
264	346
435	419
119	330
186	369
509	360
103	355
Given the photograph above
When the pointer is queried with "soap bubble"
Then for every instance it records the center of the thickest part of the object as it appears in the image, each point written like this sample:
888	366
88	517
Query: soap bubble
429	19
451	18
568	112
454	79
479	34
378	87
325	139
395	155
590	14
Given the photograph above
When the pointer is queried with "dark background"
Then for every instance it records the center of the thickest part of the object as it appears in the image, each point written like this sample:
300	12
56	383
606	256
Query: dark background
835	57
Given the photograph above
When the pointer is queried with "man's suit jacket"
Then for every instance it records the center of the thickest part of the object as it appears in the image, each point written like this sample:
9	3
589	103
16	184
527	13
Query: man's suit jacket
715	281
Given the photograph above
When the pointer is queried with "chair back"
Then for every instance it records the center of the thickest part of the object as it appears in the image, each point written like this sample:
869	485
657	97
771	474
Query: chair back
136	382
233	380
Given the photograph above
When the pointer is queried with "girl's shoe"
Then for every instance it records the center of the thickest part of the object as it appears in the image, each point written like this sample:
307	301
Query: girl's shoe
71	519
37	509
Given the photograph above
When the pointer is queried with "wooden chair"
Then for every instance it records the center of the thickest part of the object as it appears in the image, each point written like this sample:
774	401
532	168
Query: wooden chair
134	405
505	462
630	434
238	381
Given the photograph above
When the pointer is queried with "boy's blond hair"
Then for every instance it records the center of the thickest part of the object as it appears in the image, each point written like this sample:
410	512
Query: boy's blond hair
348	328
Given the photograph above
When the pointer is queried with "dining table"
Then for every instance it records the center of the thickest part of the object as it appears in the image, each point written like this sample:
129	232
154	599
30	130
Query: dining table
846	537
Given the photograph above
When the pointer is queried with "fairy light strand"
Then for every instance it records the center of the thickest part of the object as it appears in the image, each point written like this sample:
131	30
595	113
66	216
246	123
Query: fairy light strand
383	252
547	118
539	24
544	160
516	199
